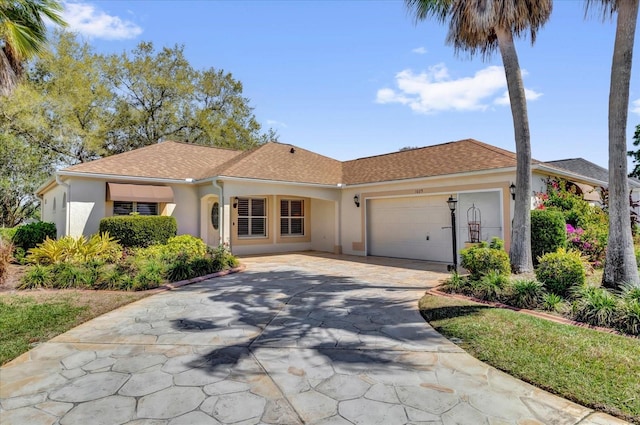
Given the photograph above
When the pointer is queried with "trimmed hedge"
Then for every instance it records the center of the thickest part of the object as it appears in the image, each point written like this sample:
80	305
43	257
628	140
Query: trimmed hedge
561	271
483	259
548	232
140	231
31	235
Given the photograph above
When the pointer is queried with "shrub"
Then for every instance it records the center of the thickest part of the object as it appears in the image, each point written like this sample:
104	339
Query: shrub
140	230
491	286
203	266
7	233
552	302
526	293
180	269
482	259
30	235
67	275
560	271
548	232
6	255
223	258
37	276
149	276
630	291
189	245
76	250
595	305
456	284
630	317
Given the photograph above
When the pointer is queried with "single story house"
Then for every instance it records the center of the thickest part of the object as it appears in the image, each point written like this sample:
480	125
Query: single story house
279	197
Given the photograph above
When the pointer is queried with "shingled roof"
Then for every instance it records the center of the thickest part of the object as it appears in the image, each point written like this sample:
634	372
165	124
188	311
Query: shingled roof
447	158
283	162
166	160
587	168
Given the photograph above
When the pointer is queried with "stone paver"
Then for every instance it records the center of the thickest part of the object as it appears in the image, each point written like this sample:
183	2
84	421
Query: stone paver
297	338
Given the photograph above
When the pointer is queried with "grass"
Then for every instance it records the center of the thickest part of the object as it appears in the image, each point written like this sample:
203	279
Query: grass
595	369
27	319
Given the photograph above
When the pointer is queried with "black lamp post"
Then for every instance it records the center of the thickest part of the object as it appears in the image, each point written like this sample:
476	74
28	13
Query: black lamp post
452	206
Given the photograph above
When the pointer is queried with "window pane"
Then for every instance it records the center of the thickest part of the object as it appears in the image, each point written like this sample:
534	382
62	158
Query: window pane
243	207
122	208
258	227
297	226
243	226
257	208
147	208
284	208
284	226
297	208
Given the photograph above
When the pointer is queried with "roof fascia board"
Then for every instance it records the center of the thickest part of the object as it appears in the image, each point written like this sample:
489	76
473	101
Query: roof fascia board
569	174
281	182
125	178
44	187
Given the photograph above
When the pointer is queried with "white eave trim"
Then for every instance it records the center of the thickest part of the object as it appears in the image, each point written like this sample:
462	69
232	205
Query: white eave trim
115	177
568	174
280	182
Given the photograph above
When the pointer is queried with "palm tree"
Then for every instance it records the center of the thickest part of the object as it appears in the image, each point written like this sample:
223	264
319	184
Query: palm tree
23	34
482	26
620	265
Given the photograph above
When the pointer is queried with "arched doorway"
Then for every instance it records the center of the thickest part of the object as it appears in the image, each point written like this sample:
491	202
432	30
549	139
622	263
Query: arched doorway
210	220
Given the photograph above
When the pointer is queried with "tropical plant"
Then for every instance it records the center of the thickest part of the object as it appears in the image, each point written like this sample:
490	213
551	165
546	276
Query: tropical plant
456	284
595	305
620	265
552	302
491	286
76	250
526	293
560	271
37	276
23	32
484	26
630	317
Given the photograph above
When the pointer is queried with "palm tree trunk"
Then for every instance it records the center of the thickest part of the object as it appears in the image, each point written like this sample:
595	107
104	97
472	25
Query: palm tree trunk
520	250
620	265
8	76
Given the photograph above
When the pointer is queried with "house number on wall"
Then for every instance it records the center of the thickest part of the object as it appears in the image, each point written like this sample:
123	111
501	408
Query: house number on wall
419	190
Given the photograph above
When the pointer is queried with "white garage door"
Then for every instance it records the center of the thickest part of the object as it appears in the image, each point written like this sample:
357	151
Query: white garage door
410	228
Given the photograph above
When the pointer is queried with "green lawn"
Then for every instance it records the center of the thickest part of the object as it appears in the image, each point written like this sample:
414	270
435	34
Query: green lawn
595	369
27	319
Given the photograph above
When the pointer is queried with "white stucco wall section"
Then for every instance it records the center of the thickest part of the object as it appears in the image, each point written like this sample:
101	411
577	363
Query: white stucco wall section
55	196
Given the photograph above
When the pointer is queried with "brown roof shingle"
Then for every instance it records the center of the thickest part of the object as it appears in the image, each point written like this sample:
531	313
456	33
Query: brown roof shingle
447	158
169	160
283	162
276	161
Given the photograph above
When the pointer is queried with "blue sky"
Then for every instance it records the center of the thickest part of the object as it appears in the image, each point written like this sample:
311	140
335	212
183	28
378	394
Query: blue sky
349	79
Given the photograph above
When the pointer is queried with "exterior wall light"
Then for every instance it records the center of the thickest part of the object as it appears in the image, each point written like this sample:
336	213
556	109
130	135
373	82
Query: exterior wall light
512	190
356	200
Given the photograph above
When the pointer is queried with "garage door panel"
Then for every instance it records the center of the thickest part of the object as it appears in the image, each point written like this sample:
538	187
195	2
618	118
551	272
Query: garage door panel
409	228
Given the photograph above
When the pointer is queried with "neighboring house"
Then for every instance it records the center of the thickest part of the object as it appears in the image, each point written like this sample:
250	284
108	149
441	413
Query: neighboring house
600	175
278	197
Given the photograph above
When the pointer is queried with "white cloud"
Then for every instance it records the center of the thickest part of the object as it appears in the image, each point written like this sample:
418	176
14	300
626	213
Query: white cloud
435	90
86	19
419	50
274	123
529	94
635	106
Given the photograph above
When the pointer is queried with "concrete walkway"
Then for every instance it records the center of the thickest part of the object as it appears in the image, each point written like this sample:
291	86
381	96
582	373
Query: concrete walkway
315	339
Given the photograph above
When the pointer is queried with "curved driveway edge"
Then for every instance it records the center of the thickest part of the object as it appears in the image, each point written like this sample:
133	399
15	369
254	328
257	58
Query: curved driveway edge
296	338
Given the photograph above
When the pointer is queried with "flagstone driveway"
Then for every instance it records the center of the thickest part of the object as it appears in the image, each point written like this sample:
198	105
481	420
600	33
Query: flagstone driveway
296	338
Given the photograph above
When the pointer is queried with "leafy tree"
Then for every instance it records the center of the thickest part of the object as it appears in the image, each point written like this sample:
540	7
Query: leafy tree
484	27
23	33
620	265
21	172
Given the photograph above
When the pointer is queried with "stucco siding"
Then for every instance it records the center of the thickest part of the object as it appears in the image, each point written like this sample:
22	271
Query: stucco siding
323	225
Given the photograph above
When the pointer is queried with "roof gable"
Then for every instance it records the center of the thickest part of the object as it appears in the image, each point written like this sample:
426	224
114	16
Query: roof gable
588	169
283	162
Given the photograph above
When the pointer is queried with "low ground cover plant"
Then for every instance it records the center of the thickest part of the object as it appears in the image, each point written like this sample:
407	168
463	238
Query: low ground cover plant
101	263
